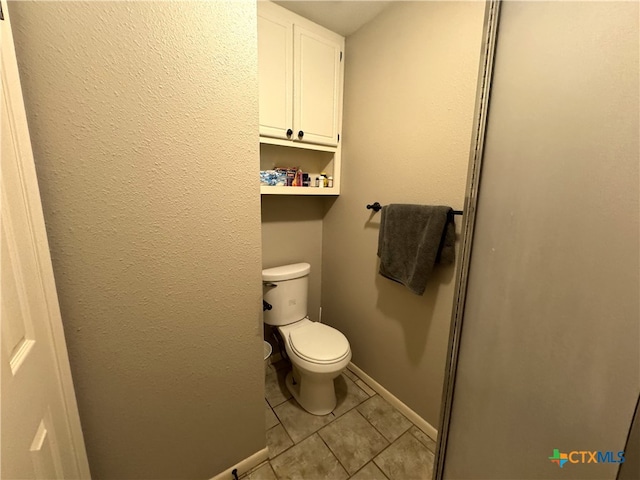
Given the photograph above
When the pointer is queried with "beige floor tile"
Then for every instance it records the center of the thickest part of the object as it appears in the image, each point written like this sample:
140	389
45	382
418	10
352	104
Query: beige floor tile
311	459
298	422
351	375
277	441
275	388
425	439
353	440
263	472
370	472
389	421
277	366
365	388
269	370
406	459
348	395
280	365
269	417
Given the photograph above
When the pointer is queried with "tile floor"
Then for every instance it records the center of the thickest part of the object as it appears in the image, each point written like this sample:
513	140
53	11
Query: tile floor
364	438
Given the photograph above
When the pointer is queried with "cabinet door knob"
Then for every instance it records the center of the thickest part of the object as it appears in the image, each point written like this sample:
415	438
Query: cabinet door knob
300	134
289	133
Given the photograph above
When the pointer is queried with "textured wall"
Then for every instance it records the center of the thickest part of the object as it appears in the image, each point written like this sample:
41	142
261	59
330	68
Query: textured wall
292	233
410	86
144	124
549	355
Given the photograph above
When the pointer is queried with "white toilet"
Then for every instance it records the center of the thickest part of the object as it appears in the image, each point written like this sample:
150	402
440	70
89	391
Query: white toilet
318	352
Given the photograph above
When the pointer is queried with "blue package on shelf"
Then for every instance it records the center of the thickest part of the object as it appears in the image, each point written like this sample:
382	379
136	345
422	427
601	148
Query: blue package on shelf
273	177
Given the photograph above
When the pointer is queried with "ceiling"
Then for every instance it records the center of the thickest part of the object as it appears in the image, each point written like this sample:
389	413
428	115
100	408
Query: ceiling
341	17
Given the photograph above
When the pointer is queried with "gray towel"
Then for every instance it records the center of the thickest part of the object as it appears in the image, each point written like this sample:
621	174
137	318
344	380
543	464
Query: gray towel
412	239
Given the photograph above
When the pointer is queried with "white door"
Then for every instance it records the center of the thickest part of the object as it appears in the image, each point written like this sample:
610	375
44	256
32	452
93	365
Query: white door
317	86
275	73
40	427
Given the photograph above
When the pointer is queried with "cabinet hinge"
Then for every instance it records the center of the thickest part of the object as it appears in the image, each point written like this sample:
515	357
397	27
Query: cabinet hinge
338	137
340	56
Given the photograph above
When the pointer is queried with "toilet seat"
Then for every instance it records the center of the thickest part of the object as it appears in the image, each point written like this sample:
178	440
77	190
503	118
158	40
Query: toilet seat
319	343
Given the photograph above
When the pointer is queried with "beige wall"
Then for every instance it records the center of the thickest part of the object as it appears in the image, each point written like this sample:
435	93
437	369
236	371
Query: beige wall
141	117
549	351
410	86
292	233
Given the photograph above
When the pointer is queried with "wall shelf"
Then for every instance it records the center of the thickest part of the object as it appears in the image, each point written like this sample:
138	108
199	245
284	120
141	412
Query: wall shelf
267	190
312	162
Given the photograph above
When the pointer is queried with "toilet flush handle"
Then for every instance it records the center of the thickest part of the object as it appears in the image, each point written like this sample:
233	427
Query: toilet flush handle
272	285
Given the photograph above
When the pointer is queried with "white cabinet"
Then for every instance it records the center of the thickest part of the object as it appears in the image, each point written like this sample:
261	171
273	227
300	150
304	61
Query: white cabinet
317	86
300	76
275	73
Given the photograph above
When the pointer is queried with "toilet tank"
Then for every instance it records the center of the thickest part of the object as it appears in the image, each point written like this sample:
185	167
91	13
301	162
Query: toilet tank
285	288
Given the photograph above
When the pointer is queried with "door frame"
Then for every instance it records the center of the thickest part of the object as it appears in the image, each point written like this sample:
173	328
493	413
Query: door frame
483	91
12	88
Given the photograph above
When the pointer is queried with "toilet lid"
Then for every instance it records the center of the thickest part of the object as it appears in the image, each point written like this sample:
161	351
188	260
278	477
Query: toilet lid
319	343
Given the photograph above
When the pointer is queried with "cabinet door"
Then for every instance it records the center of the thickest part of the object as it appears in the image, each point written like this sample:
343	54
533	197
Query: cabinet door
317	86
275	74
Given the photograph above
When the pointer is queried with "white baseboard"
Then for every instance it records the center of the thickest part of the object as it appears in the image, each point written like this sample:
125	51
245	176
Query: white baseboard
245	465
416	419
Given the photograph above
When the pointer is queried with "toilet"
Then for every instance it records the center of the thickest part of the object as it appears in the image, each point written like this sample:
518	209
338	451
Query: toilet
318	352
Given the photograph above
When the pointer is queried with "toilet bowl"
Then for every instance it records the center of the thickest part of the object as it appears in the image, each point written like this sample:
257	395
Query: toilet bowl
318	353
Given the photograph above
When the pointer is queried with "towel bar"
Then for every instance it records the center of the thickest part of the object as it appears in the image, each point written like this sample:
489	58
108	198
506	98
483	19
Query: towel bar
376	207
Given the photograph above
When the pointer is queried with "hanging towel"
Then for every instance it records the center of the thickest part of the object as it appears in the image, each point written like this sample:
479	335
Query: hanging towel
412	239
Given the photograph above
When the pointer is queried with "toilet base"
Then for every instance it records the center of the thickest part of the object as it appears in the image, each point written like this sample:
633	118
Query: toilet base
316	394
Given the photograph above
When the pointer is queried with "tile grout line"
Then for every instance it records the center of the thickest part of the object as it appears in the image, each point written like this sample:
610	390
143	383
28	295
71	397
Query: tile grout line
393	443
246	475
293	443
333	453
416	437
371	460
347	411
385	438
355	406
274	414
377	430
274	406
375	465
390	443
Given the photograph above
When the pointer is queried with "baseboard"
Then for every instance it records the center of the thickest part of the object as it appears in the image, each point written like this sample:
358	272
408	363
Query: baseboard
416	419
245	465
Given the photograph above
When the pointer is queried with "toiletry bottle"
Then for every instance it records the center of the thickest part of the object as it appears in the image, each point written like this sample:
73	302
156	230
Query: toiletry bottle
323	175
330	181
317	181
323	181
